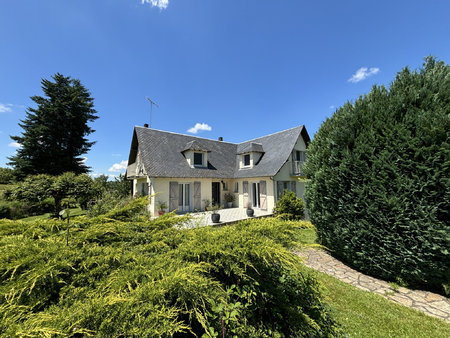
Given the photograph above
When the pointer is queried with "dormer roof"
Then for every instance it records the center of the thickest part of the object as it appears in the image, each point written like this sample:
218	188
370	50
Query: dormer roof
196	145
249	148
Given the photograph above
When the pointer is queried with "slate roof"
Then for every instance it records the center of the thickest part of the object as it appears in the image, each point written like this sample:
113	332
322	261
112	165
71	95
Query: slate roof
195	145
249	147
162	153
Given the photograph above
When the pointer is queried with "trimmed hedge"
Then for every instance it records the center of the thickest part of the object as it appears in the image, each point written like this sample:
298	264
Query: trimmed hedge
379	190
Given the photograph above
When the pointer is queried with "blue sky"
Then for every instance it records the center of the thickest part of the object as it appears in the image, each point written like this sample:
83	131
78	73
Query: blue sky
242	69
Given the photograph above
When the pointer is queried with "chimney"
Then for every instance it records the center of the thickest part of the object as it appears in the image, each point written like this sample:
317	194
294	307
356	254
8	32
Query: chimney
220	138
145	125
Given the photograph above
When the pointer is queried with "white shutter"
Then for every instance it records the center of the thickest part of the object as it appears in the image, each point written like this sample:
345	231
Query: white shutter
245	192
173	196
197	196
262	195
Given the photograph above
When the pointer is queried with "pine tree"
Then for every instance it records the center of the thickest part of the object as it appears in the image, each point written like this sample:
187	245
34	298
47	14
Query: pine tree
54	136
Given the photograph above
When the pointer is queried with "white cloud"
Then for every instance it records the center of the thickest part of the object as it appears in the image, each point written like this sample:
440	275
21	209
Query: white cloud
118	167
83	160
15	145
363	73
332	107
5	108
116	155
199	126
161	4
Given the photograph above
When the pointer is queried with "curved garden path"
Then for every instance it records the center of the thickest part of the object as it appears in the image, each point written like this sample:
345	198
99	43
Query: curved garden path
430	303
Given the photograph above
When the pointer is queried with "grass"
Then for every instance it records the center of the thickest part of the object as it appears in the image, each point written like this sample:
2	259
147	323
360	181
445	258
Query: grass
73	213
365	314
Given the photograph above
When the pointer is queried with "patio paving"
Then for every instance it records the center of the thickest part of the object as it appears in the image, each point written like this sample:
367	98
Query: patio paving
227	216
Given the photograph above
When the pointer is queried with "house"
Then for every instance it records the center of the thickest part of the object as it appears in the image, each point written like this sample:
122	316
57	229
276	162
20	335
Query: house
184	171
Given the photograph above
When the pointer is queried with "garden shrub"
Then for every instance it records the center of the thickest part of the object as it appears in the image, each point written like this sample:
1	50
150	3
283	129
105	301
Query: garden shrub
290	207
151	278
14	209
6	176
379	188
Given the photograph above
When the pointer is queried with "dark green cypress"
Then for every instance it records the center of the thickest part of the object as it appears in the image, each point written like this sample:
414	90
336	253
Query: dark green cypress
54	133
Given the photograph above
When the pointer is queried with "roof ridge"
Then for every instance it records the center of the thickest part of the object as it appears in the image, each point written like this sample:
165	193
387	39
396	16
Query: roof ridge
172	132
282	131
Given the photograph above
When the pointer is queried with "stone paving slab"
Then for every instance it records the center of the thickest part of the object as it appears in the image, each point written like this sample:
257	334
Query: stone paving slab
430	303
227	216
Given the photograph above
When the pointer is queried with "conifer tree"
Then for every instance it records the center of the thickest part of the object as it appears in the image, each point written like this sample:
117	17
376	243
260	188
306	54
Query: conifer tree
54	134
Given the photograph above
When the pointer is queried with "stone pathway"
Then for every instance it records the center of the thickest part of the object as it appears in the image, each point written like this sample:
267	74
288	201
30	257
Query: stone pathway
430	303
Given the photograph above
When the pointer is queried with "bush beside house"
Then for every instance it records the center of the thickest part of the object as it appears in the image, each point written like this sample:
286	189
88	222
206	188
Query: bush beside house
290	207
379	170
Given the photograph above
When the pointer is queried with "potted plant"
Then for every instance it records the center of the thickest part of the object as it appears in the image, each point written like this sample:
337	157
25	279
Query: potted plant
215	216
250	210
161	207
229	198
207	204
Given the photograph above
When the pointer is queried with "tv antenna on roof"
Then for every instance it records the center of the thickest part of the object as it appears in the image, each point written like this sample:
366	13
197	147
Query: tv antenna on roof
151	108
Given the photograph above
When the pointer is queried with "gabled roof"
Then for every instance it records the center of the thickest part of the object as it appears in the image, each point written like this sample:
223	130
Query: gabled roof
162	153
277	148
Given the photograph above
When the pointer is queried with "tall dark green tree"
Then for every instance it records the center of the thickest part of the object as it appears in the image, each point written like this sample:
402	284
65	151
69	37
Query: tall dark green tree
55	133
379	189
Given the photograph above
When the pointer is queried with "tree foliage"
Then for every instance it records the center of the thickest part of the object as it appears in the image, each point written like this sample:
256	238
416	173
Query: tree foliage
122	277
380	187
54	133
6	176
36	188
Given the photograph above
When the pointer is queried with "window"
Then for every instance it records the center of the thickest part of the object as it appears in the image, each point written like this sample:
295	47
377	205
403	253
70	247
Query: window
300	156
144	189
282	186
236	187
246	160
198	159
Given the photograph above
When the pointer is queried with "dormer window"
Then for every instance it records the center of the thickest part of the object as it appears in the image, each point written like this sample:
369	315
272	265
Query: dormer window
198	160
246	160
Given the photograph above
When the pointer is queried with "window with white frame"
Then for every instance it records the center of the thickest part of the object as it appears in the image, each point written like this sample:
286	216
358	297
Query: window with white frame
246	160
198	159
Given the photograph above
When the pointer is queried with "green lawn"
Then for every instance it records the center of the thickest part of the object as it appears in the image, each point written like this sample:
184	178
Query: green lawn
73	213
365	314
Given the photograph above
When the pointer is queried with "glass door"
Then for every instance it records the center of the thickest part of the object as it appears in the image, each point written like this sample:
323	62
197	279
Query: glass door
255	195
184	197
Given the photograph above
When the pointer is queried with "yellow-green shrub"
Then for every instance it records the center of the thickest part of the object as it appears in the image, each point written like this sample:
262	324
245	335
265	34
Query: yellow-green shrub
150	278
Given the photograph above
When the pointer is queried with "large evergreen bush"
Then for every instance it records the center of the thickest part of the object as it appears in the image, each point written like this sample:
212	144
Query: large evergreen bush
379	173
150	279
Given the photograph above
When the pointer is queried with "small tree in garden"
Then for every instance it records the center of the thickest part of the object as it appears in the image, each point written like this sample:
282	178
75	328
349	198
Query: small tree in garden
379	170
289	206
37	188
